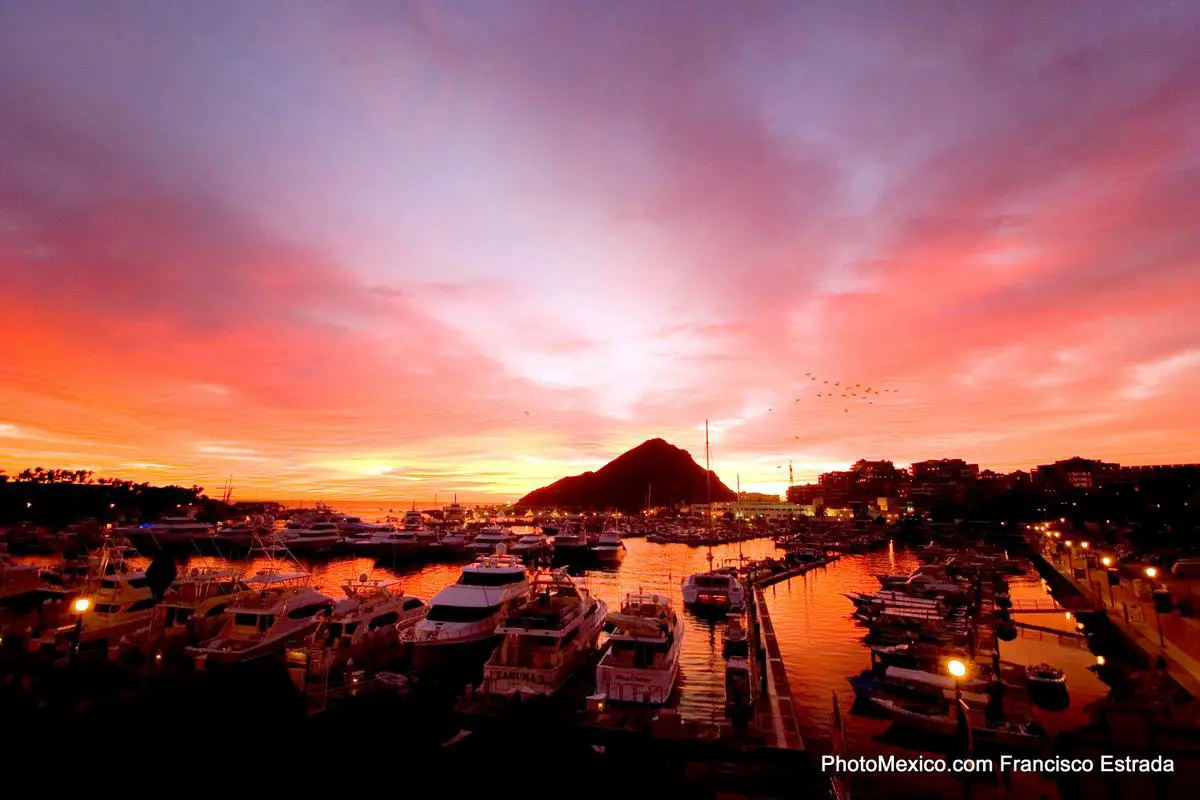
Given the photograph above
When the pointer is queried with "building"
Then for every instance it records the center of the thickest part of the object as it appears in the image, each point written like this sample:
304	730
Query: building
753	510
757	497
805	494
1077	473
837	488
941	481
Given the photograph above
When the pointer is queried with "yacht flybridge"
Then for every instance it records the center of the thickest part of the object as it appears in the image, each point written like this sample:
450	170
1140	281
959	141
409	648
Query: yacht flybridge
642	662
546	639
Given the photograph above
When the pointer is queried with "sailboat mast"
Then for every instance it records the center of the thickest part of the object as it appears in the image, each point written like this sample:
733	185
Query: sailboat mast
707	474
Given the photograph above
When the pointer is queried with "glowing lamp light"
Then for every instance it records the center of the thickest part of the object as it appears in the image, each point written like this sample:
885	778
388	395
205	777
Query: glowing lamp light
1151	573
82	604
1068	615
1068	542
1084	545
956	668
1058	534
1100	661
1106	561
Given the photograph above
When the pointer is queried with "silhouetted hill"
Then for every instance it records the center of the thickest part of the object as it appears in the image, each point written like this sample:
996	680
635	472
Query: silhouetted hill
621	484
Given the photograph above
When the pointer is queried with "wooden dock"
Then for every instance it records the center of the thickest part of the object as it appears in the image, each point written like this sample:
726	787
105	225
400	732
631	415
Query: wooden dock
774	715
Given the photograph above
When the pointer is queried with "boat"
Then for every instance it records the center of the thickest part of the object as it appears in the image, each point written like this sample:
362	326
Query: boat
355	527
454	514
364	626
413	520
22	586
460	628
489	538
309	536
546	639
642	661
531	546
193	607
917	717
171	531
570	543
121	603
454	545
388	545
609	550
1045	674
276	609
715	590
739	679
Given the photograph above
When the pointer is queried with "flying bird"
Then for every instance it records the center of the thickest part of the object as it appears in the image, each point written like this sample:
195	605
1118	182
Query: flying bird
527	413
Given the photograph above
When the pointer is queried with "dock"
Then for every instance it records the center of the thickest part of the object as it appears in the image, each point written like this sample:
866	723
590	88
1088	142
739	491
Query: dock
774	715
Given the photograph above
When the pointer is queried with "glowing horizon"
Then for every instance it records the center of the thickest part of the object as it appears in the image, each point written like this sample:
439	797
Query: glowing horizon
385	253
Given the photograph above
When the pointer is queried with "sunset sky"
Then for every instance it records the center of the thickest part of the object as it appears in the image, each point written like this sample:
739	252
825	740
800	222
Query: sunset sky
383	249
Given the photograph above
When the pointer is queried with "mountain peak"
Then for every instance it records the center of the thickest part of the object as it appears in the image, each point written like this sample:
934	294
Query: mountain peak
668	474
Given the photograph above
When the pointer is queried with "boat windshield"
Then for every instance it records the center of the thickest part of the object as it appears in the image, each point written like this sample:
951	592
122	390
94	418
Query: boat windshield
460	613
488	578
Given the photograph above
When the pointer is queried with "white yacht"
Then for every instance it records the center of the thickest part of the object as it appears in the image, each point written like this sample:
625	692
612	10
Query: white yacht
609	550
309	536
642	662
388	545
172	531
489	537
460	628
546	639
717	590
365	625
413	520
278	608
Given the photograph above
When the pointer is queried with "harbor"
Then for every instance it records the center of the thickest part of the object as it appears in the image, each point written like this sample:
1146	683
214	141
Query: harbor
794	584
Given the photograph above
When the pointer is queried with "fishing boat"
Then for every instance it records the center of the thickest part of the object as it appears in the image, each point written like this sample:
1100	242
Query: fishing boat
460	629
364	626
193	607
276	609
546	639
309	535
642	662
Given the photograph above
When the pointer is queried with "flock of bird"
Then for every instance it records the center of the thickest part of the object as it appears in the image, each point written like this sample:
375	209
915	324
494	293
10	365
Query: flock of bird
830	391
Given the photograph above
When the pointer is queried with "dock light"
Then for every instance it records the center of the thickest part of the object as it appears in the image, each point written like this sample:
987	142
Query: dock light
1084	545
1068	542
1106	561
956	668
1058	534
1062	519
1151	573
1100	661
82	604
28	504
1068	615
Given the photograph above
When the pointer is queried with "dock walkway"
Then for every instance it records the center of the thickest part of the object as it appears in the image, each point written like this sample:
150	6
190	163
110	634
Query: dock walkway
1136	619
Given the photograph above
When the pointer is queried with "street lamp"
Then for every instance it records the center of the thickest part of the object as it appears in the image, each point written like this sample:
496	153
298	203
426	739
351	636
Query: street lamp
80	607
958	671
1152	573
1108	577
1070	557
